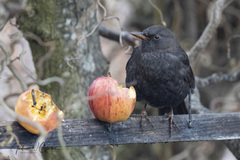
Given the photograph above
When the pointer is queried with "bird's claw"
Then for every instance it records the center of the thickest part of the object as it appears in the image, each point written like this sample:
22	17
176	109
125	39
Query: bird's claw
190	124
144	115
109	127
171	122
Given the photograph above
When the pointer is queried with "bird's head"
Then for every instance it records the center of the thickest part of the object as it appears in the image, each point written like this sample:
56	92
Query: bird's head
157	37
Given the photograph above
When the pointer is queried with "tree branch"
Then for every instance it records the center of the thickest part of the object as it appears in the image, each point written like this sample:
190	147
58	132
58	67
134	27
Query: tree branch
114	35
47	55
198	108
78	132
210	30
10	8
217	78
104	18
12	68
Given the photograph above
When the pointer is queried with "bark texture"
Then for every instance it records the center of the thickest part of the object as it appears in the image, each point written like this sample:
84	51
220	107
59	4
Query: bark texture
61	24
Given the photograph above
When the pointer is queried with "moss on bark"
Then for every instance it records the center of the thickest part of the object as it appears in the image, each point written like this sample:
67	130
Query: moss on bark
57	21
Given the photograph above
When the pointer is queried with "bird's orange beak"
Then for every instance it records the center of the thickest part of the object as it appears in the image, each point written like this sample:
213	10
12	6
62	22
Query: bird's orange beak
139	35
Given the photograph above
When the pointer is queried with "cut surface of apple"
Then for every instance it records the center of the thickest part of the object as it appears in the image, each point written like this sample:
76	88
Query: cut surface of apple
38	106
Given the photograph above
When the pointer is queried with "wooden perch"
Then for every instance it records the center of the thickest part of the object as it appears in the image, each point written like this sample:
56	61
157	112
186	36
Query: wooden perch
80	132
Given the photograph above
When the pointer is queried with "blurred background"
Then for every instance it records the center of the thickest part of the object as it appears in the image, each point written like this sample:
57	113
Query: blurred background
187	19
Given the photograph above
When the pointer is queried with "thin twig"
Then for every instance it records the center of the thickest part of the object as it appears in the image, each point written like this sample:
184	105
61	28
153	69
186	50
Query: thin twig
210	30
113	152
11	95
50	80
38	81
228	45
11	9
62	143
9	140
104	18
18	76
71	59
47	55
12	67
185	153
159	12
217	78
21	118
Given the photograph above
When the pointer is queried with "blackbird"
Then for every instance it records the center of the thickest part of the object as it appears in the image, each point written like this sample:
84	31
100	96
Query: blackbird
160	72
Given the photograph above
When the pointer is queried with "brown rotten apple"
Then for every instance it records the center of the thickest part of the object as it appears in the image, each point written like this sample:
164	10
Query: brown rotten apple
38	106
109	101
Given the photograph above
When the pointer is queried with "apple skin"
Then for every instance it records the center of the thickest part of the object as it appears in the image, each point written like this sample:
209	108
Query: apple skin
49	117
110	102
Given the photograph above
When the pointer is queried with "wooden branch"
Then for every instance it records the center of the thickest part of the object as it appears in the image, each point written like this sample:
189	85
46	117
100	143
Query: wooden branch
114	35
82	132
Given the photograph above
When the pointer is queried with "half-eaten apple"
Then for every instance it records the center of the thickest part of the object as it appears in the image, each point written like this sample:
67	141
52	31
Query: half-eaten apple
109	101
38	107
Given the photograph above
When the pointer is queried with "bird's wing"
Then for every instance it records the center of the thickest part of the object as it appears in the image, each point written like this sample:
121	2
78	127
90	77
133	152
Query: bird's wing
189	73
131	68
190	78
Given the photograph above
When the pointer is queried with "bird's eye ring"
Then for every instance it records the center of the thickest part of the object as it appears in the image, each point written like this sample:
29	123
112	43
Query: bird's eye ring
156	37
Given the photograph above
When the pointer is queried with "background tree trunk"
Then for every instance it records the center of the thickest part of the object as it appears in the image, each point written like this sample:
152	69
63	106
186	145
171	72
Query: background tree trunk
62	23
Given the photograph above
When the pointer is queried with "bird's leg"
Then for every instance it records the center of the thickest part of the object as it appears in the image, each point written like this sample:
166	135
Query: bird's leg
189	110
171	121
109	127
144	115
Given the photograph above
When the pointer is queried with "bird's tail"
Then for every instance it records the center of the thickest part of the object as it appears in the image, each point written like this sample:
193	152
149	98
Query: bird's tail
180	109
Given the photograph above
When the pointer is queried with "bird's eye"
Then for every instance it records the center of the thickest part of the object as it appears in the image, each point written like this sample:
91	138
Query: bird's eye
156	37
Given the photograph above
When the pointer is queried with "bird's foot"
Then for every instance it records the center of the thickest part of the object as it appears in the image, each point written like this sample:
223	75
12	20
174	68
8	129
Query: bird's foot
189	109
109	127
189	124
171	122
144	115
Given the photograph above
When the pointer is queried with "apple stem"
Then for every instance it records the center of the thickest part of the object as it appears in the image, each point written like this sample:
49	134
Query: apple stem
109	74
33	97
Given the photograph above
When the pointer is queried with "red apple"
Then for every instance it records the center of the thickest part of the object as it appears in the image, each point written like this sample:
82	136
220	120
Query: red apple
38	106
109	101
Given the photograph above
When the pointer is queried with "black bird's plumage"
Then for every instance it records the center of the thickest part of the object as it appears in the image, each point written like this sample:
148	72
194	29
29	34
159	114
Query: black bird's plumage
160	72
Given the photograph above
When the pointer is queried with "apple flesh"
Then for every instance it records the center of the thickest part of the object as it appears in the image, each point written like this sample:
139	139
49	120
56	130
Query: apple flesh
109	101
38	106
